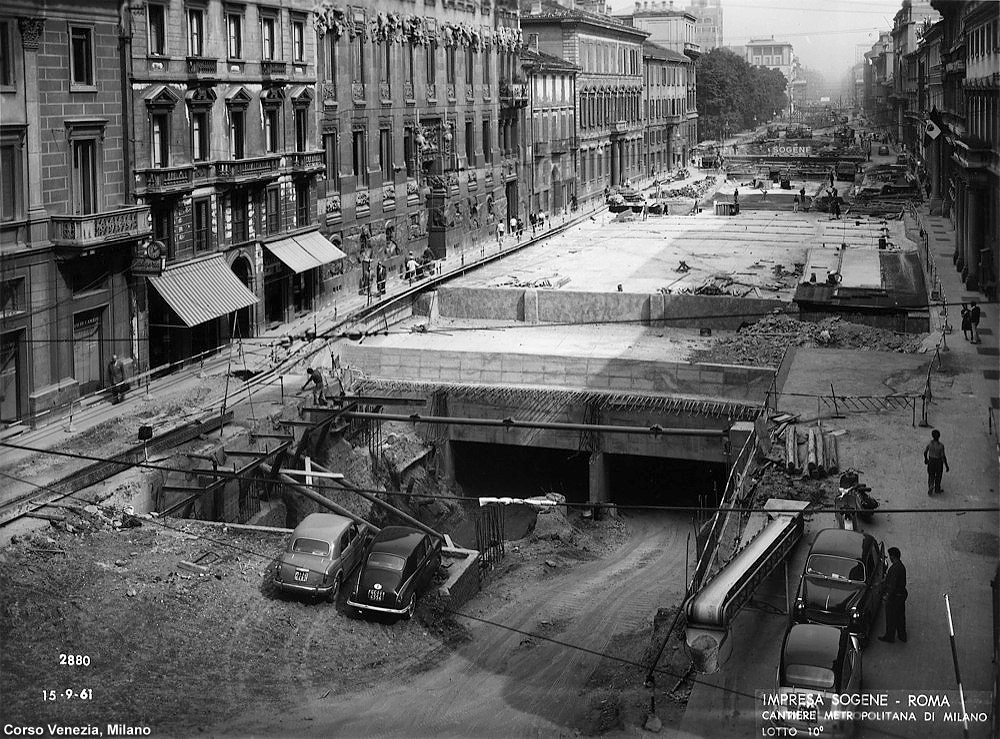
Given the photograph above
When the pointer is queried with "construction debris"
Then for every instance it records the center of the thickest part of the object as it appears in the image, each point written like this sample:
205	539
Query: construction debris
764	343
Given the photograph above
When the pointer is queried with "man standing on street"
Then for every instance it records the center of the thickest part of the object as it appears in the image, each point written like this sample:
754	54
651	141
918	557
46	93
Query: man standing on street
895	599
936	461
736	201
974	315
116	378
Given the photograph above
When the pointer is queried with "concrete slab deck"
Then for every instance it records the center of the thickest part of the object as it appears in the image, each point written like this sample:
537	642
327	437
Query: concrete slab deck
643	256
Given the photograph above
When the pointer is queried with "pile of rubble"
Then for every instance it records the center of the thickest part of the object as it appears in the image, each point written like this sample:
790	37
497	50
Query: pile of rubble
694	190
764	342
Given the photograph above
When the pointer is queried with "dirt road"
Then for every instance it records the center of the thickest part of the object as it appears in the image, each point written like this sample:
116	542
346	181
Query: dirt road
504	681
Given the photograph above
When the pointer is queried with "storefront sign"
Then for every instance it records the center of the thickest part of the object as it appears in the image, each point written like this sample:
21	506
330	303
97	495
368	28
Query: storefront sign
149	259
791	151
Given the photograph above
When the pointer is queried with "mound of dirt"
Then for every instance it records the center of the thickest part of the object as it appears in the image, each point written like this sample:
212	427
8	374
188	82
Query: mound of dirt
764	342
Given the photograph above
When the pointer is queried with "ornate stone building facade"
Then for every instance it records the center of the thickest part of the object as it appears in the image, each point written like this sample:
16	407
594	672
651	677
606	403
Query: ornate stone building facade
421	112
222	114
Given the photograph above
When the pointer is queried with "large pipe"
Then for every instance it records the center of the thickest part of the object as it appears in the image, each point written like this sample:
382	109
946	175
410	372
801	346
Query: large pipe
372	499
510	423
316	497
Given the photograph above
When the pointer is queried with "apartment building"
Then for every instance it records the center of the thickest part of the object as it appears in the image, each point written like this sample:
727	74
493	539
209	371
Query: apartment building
222	116
609	89
664	108
70	228
552	114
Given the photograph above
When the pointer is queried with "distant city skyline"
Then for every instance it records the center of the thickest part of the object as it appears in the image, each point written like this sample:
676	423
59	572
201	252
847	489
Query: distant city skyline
823	33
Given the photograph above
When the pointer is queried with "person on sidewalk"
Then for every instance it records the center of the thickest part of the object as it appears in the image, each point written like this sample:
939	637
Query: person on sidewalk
116	378
802	197
499	233
895	599
795	203
319	384
736	201
936	461
381	274
974	315
966	322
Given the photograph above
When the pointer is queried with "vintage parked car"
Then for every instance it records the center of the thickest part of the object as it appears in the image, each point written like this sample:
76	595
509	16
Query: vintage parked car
400	563
322	552
883	150
843	581
818	662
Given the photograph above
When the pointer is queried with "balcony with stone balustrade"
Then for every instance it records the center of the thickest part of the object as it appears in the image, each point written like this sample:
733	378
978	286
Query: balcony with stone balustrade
100	229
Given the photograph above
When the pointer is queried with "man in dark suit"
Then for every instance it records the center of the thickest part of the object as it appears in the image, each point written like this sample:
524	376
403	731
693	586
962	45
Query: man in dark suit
895	599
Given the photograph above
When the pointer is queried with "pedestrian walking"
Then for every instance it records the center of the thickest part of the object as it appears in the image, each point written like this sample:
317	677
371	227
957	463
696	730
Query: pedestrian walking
974	315
116	378
499	233
966	322
411	267
831	178
736	201
936	461
795	203
895	599
315	377
802	197
381	273
513	227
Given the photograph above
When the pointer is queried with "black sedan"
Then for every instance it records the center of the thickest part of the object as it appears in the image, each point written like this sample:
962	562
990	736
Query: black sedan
843	581
883	150
819	665
400	563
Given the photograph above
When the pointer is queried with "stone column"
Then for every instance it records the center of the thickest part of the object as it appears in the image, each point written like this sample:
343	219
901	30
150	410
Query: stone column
958	209
934	173
31	33
598	489
975	214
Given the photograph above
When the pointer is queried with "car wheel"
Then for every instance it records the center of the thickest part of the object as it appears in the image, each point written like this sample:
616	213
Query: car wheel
334	591
411	607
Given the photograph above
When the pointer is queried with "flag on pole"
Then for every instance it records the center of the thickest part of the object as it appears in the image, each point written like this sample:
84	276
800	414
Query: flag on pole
932	130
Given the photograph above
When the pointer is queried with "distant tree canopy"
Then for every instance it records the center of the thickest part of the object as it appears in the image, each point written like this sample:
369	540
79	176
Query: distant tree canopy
731	93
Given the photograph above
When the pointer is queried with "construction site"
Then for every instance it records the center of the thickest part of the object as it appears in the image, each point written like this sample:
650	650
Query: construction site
596	420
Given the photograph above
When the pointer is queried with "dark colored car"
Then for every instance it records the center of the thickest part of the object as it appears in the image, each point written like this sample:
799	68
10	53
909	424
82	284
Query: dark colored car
817	663
400	563
883	150
843	581
322	551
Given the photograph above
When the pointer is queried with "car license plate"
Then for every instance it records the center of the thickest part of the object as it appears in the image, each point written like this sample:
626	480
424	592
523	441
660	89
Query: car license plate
376	595
301	575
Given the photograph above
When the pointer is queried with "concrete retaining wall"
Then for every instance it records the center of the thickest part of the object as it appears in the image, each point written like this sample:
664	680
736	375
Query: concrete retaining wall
724	382
572	306
463	577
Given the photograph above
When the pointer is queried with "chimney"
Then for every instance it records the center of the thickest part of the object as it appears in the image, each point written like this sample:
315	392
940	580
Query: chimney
536	7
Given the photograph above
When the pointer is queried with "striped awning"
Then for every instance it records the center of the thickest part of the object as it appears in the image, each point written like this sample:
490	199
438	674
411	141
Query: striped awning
305	251
201	290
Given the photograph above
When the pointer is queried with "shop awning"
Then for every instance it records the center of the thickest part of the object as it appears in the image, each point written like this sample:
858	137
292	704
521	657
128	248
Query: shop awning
201	290
305	251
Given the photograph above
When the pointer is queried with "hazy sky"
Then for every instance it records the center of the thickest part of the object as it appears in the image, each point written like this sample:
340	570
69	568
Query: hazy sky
823	32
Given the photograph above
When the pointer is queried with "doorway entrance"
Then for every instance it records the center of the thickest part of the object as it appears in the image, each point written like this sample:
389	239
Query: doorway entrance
88	356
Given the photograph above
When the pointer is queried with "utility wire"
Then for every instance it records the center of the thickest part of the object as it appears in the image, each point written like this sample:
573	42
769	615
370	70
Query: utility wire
223	474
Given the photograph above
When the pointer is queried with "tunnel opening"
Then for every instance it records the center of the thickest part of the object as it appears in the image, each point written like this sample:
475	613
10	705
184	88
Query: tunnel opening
500	470
660	481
